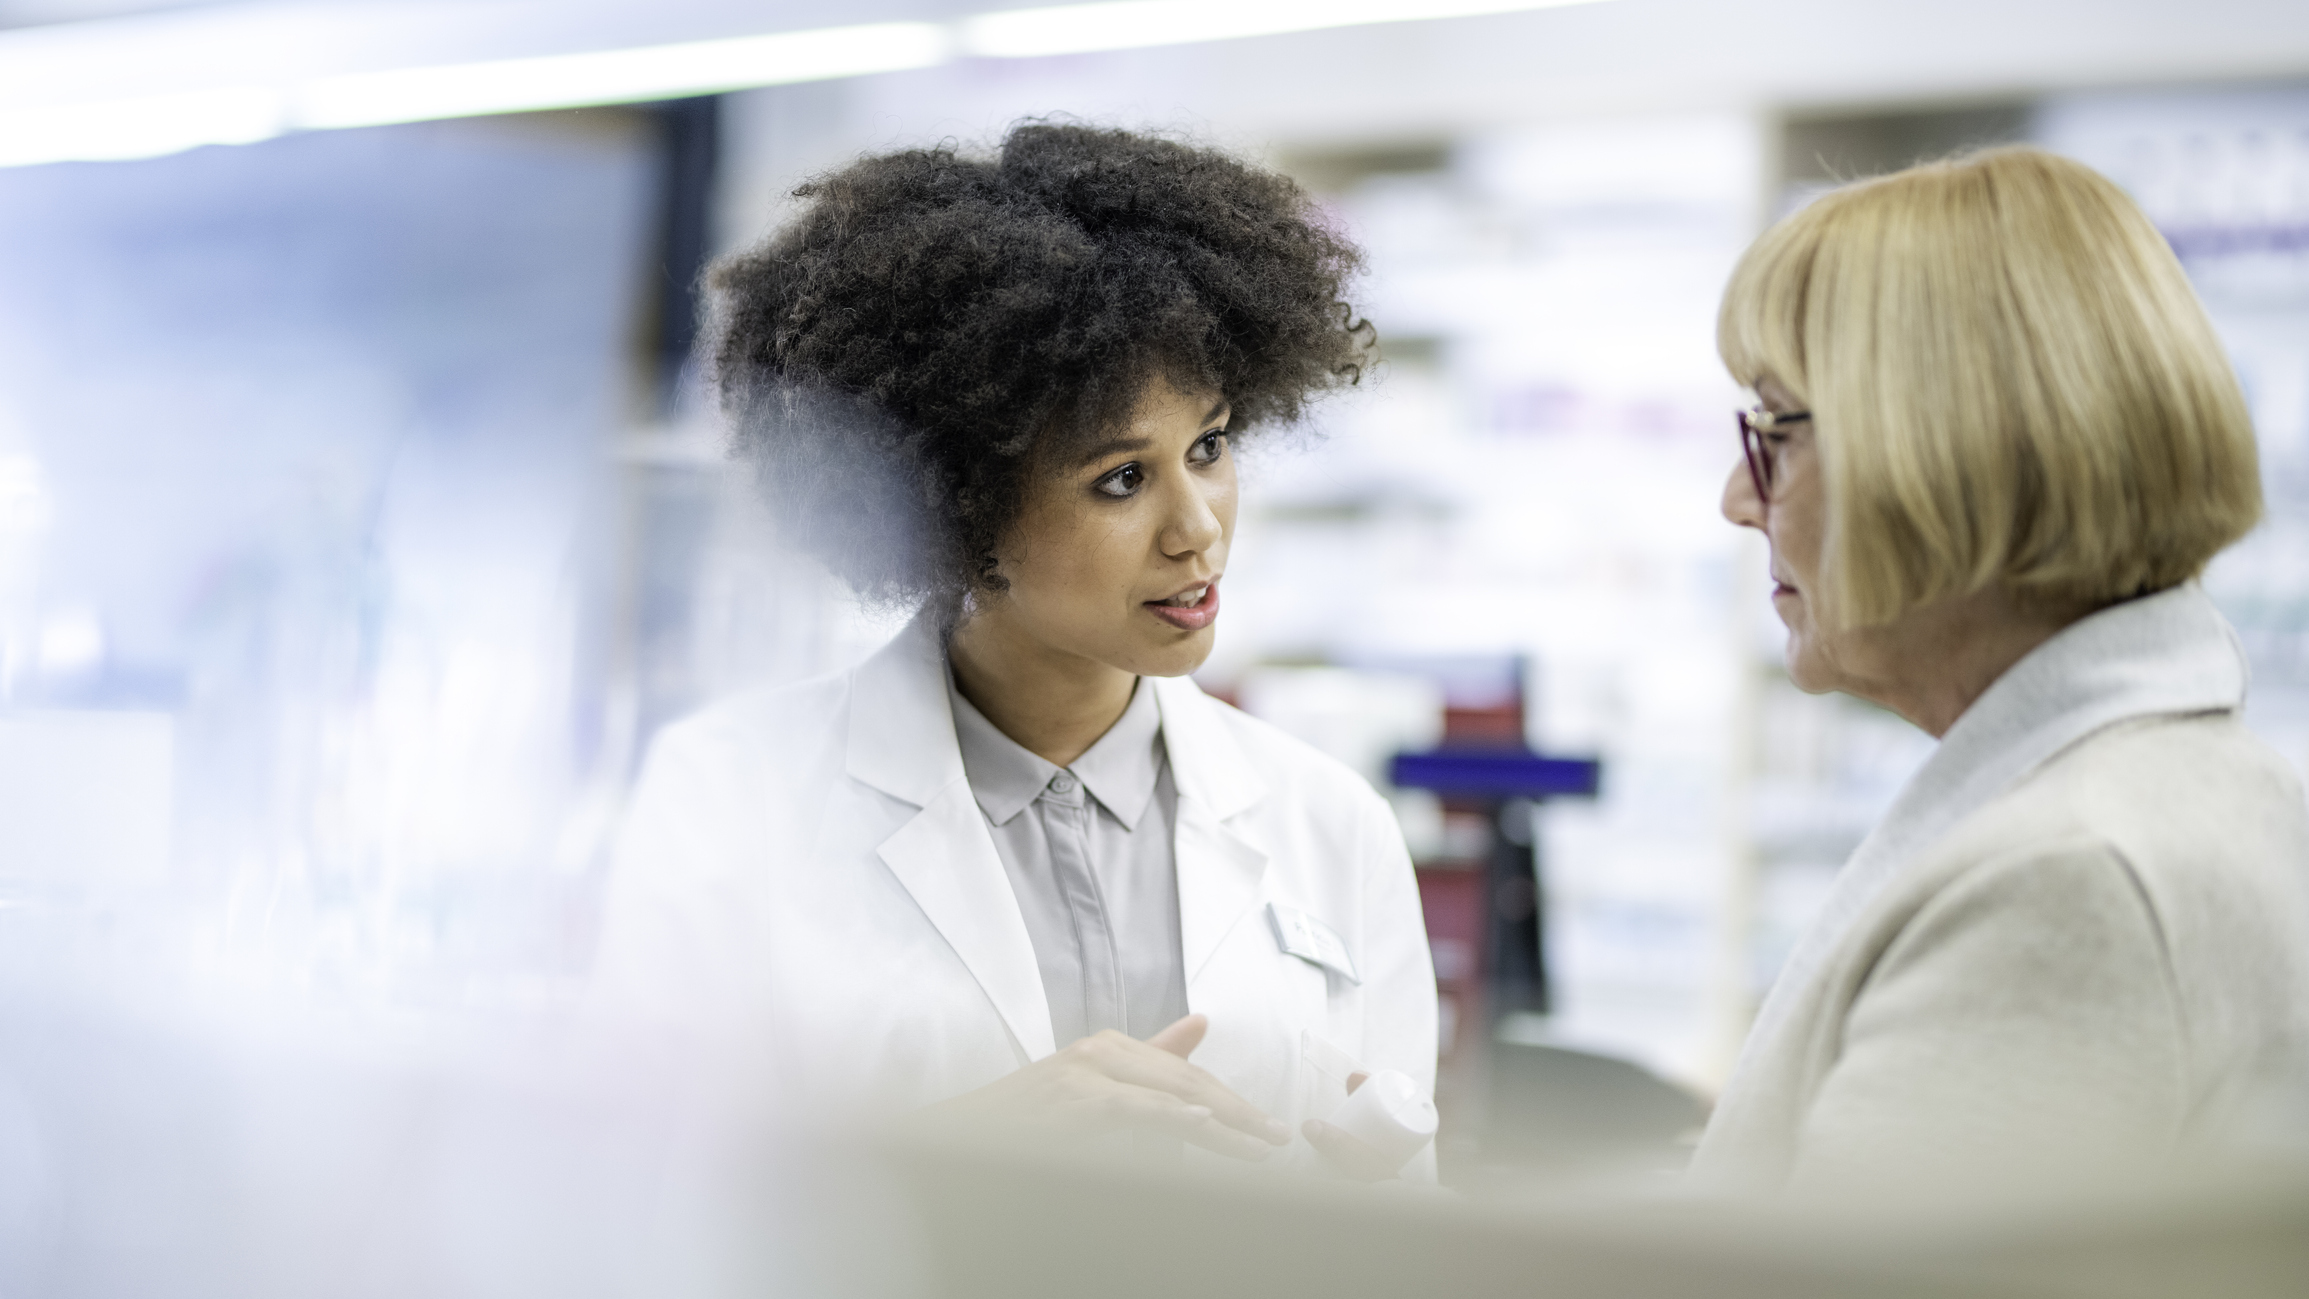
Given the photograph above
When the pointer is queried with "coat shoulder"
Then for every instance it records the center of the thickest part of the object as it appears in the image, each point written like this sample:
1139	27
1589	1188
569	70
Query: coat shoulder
753	733
2197	812
2193	804
1291	767
2191	825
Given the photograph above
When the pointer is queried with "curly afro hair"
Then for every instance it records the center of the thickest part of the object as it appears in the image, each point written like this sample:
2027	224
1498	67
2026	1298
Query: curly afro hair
897	358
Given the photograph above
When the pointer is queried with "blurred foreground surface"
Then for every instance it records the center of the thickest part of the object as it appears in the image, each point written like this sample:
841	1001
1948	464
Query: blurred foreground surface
155	1150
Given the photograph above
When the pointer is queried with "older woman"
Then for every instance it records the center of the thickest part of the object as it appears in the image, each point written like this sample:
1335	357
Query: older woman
1997	442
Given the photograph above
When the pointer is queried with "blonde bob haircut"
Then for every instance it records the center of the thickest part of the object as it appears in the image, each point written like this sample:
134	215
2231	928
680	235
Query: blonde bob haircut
2010	382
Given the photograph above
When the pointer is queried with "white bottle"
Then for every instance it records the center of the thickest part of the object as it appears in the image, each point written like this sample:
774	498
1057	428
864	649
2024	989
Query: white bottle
1389	1114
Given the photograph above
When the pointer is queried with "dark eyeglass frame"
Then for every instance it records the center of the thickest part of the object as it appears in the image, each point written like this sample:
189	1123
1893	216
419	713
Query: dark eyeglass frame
1763	464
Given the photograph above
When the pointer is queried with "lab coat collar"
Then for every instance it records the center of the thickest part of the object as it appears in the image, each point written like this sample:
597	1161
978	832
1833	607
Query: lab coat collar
1206	761
1219	870
901	727
902	743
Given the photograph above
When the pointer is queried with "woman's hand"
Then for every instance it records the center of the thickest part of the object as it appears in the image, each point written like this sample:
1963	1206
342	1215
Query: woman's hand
1108	1081
1348	1155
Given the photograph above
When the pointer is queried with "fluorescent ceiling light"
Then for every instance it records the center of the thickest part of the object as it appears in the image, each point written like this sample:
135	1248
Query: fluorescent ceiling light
1132	24
151	126
617	76
147	127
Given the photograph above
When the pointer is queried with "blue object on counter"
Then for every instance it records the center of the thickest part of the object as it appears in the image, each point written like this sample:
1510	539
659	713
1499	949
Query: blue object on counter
1496	773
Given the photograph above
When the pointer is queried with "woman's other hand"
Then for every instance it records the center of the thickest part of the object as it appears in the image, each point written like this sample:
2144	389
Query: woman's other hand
1346	1154
1108	1081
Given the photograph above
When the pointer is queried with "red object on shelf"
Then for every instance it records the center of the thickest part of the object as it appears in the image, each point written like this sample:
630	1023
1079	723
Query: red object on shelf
1453	901
1452	898
1500	724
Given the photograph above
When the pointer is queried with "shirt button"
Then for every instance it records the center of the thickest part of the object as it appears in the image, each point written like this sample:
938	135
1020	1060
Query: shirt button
1062	783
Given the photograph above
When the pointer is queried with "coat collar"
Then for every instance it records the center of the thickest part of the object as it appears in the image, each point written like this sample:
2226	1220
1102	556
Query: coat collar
1219	869
902	739
2161	654
2158	655
902	743
901	728
1207	760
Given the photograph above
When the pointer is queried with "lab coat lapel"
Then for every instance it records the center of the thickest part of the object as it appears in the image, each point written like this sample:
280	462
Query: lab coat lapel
1219	877
902	743
1219	871
946	859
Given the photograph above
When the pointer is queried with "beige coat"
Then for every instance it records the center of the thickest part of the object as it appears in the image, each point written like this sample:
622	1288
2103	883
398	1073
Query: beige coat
2082	933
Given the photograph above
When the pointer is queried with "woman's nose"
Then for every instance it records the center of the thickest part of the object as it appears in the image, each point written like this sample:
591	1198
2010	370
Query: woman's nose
1195	526
1741	505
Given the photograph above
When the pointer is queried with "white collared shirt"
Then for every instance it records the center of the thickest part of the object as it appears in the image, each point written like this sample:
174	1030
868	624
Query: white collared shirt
1090	853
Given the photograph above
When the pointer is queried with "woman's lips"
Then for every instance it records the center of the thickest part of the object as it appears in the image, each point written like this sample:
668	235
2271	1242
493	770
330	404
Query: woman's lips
1188	617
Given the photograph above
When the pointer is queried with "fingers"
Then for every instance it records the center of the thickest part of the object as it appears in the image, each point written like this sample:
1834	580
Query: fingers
1355	1080
1182	1037
1347	1154
1143	1064
1119	1104
1109	1080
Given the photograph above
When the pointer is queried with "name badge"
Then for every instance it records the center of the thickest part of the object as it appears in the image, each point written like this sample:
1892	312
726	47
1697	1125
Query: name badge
1311	940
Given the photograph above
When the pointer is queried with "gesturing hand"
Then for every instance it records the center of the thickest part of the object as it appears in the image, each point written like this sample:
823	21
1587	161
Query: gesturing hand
1108	1081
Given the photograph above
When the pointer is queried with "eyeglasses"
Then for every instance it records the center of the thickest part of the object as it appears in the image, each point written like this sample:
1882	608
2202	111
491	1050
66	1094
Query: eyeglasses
1764	454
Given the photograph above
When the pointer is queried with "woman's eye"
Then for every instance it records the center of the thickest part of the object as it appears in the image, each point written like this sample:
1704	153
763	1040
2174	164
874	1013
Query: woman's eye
1122	482
1208	450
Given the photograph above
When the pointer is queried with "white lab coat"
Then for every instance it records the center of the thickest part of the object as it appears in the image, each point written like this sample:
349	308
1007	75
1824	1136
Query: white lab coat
804	870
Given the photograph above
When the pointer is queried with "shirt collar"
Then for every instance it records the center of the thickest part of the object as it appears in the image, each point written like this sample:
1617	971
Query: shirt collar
1120	770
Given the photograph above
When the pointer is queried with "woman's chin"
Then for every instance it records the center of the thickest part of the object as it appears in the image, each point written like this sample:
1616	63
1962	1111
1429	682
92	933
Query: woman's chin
1177	658
1807	668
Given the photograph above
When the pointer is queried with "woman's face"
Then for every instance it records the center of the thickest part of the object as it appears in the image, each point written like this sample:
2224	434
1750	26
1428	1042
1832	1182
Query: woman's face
1118	554
1928	664
1795	523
